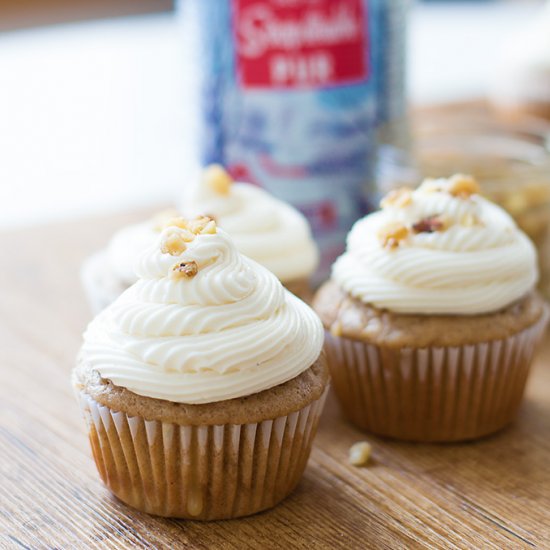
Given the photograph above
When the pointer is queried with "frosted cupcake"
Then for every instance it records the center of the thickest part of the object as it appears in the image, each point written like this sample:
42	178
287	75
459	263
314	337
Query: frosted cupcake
203	383
431	316
264	228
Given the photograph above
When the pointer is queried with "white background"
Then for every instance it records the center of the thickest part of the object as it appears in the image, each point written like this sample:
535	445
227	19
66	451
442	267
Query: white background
93	115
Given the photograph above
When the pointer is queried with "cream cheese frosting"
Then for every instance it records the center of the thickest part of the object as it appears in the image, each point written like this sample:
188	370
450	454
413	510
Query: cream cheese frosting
441	249
202	324
264	228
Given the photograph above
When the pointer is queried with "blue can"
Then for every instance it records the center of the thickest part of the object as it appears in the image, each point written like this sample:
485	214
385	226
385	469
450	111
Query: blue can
293	95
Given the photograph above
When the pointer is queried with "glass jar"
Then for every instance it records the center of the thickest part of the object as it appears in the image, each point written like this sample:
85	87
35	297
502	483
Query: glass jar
511	163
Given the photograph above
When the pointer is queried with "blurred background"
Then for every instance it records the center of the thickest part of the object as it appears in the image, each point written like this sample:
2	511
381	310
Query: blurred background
96	109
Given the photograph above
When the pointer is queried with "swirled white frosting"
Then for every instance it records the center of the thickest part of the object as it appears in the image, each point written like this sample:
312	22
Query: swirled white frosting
467	268
230	331
264	228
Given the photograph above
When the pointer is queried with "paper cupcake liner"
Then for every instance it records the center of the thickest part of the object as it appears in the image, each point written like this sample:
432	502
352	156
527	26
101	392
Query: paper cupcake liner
435	393
100	287
200	472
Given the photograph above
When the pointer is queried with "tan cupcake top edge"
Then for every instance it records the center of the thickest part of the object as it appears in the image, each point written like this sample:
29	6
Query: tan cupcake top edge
345	316
271	403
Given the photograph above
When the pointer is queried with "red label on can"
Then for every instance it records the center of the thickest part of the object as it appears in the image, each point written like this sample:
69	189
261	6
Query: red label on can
300	43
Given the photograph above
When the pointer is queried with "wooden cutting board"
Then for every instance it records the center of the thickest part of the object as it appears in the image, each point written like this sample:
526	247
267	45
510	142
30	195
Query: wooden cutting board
491	494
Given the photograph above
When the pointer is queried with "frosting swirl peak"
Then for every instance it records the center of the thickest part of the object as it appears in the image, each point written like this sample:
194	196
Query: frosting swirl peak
441	249
263	228
202	324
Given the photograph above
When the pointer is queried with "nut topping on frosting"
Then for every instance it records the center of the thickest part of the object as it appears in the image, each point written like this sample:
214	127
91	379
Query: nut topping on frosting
430	224
463	186
217	179
202	327
398	197
185	270
174	243
179	232
392	234
203	225
175	222
449	252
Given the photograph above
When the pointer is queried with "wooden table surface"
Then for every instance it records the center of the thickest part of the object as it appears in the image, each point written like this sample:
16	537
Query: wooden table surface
490	494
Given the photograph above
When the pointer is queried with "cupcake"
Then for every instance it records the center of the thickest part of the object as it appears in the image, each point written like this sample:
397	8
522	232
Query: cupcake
431	316
203	383
268	230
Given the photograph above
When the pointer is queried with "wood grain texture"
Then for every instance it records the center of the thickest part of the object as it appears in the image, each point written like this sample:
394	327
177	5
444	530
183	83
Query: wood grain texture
490	494
33	13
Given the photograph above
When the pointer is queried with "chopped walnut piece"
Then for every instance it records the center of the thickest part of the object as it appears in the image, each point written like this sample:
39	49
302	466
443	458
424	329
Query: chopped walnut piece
176	222
203	225
359	453
463	186
173	244
217	179
392	234
398	197
209	228
185	270
430	224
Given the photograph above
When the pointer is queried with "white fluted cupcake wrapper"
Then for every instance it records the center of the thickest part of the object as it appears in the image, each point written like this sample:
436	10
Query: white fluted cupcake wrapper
436	393
200	472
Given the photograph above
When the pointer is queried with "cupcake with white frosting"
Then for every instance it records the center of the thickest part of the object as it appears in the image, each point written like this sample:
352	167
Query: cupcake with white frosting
203	383
266	229
431	316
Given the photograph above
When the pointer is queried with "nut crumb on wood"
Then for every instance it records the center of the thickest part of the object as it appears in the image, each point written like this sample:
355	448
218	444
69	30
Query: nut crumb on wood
359	453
